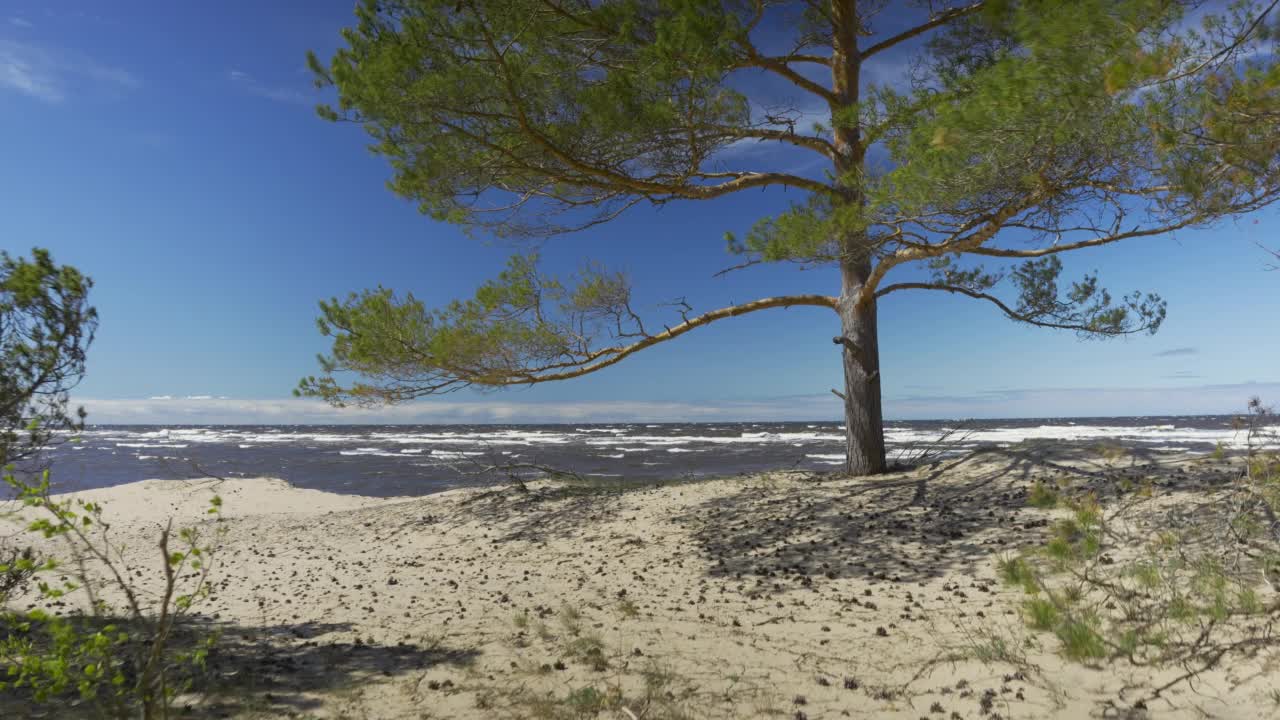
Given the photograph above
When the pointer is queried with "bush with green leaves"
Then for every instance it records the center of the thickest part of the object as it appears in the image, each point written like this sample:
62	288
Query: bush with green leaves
46	327
118	656
1160	575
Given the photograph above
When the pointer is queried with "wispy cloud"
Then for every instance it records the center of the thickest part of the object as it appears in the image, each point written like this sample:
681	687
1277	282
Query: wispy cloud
892	70
20	75
1083	402
993	403
155	140
19	22
275	93
800	121
51	74
1177	352
221	410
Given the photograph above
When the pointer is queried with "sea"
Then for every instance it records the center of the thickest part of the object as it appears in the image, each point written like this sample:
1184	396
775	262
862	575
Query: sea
407	460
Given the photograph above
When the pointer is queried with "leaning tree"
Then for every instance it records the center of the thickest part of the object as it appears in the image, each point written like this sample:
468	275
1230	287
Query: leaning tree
1025	129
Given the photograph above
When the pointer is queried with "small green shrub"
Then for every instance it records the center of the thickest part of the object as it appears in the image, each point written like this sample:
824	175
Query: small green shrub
17	568
1167	582
119	664
1042	614
586	700
589	649
1015	570
1043	496
628	609
1080	640
571	619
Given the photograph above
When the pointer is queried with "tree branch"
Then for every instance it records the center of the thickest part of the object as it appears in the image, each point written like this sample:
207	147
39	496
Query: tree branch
936	21
1105	240
616	354
504	337
810	142
1029	318
990	225
778	66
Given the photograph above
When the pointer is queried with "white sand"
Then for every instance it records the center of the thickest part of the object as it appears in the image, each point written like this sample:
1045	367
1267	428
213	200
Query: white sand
774	596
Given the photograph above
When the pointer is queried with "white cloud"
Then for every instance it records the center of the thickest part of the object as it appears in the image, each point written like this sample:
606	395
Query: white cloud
892	70
220	410
1223	399
999	403
156	140
19	22
109	75
274	93
16	74
50	75
801	120
801	117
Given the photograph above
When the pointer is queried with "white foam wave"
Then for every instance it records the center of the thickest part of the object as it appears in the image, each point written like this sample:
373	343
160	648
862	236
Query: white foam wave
753	438
450	455
496	437
1153	434
822	441
373	452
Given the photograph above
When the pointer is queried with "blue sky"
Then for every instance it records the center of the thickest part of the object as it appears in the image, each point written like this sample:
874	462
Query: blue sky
170	150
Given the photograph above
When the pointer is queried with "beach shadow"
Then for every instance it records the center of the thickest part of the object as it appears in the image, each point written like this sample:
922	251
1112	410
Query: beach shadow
945	519
545	512
271	671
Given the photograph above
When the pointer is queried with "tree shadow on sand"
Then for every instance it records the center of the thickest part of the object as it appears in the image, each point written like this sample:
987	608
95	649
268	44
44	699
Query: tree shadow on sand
271	671
541	513
941	519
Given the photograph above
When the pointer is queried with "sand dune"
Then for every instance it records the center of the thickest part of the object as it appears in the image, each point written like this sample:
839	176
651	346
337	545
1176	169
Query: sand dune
786	595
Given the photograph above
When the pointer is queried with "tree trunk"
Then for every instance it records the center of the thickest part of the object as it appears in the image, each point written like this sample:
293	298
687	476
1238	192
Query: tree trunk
864	423
863	419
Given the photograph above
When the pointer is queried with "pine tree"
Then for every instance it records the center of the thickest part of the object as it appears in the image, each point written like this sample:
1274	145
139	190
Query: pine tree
1030	128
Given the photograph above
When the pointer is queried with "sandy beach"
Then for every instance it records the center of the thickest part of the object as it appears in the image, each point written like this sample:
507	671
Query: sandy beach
788	595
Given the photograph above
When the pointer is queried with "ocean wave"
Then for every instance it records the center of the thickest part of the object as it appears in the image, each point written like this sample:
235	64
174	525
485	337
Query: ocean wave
1145	434
373	452
494	437
451	455
627	439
